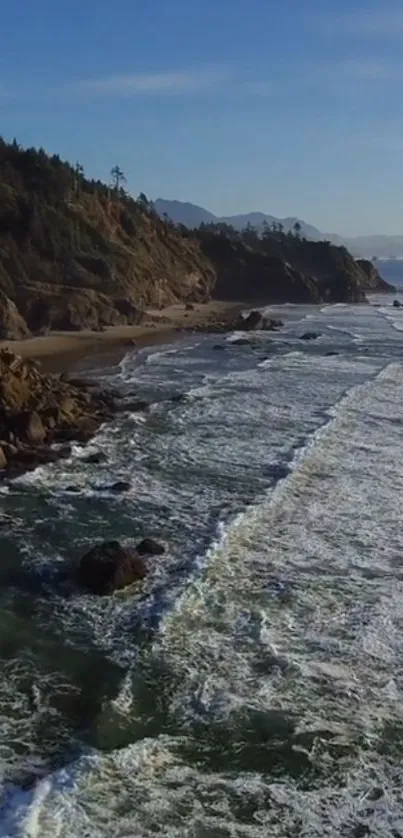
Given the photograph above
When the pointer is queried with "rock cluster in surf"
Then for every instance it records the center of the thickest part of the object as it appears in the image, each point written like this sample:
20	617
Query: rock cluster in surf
38	410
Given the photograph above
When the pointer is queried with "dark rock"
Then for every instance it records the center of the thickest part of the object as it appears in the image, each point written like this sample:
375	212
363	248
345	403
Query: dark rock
12	324
3	459
96	458
178	398
189	307
310	336
28	426
135	406
397	303
256	321
218	347
330	354
149	547
241	342
110	567
119	487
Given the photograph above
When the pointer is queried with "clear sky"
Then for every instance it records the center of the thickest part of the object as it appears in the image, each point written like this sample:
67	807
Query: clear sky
292	108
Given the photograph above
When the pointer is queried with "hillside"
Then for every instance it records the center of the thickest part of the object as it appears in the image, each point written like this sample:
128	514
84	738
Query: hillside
75	253
300	270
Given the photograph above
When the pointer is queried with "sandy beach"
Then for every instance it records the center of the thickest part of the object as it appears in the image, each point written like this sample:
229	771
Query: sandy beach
66	350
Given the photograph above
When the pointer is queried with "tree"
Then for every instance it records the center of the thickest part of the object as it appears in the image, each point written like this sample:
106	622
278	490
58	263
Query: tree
117	177
297	229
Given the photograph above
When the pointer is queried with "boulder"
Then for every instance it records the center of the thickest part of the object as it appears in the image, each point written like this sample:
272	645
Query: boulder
110	567
310	335
96	458
256	321
12	324
149	547
397	303
241	342
3	459
119	487
28	426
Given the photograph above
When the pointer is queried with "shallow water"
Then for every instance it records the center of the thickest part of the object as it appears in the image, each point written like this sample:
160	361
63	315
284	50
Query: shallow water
253	686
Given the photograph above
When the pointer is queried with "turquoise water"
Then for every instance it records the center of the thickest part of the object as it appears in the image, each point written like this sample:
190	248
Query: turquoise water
252	686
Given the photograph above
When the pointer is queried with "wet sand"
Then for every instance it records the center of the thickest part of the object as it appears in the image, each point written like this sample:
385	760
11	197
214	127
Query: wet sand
60	351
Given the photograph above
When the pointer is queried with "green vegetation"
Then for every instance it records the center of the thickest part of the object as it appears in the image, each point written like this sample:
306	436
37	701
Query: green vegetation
76	253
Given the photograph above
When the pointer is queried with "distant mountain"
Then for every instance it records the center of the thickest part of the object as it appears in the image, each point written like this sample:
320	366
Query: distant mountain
192	215
184	213
367	247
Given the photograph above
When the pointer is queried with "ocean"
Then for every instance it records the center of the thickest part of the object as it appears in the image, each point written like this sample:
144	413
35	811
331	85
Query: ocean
253	685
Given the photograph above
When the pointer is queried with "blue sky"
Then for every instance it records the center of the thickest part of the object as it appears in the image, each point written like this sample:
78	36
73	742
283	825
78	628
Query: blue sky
292	108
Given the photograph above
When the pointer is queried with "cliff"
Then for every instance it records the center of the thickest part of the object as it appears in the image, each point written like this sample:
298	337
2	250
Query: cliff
282	267
373	279
75	253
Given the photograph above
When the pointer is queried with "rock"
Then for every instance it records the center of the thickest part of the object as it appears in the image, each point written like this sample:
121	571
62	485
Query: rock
3	460
130	342
256	321
310	336
218	347
189	307
330	354
96	458
241	342
12	324
177	398
110	567
397	303
119	487
149	547
28	426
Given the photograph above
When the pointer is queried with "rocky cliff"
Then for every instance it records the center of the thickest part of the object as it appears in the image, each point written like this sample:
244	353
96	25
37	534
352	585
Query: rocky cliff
373	280
75	254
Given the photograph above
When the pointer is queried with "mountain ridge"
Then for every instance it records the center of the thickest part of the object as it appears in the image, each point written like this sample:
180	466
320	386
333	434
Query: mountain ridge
367	247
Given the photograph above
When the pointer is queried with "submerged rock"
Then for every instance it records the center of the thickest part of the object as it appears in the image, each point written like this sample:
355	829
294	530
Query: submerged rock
256	321
397	303
96	458
310	336
119	487
110	567
241	342
149	547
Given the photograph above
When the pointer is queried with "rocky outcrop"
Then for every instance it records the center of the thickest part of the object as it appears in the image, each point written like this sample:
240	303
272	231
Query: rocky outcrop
373	281
256	321
37	410
12	324
110	567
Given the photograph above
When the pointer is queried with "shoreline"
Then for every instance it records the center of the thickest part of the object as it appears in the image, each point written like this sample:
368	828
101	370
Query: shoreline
66	351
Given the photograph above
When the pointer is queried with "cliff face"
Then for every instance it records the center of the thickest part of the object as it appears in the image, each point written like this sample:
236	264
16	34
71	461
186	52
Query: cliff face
373	280
285	268
77	254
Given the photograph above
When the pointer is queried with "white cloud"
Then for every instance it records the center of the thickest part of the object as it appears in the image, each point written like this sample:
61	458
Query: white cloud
169	83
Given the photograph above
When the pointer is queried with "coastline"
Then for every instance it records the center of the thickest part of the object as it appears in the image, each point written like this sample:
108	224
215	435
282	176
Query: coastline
62	351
